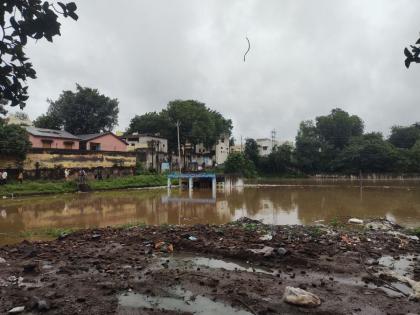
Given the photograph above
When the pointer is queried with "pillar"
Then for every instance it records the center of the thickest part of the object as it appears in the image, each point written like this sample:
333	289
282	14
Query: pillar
213	187
190	183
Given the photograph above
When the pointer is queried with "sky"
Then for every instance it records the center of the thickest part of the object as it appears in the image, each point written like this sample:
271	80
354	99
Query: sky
306	58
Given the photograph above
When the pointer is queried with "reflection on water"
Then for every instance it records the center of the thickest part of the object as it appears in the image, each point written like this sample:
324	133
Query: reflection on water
299	203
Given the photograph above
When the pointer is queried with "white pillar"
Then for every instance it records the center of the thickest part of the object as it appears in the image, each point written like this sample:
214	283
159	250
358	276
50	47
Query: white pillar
190	183
213	187
169	183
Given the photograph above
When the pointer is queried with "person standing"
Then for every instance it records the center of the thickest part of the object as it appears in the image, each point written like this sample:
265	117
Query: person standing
4	177
20	177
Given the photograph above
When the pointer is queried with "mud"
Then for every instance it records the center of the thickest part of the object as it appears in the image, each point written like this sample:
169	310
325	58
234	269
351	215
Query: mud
238	268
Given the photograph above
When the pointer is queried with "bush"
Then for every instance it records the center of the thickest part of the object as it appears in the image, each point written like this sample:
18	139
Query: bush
238	164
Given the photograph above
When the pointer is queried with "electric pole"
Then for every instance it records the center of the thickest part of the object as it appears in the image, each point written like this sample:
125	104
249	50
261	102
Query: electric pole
179	146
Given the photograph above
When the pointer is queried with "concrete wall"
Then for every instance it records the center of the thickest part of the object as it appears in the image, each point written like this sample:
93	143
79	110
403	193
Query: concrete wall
50	159
142	142
108	142
57	143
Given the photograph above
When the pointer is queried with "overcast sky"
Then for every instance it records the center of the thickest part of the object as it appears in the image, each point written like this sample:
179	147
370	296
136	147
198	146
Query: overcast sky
307	57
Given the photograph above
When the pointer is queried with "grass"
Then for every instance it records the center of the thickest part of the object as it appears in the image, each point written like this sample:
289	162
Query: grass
48	232
56	187
414	231
130	225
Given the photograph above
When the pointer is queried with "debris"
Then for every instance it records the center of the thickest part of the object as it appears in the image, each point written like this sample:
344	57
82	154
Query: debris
346	239
355	221
282	251
192	238
164	247
266	237
265	251
300	297
42	305
16	310
2	260
396	234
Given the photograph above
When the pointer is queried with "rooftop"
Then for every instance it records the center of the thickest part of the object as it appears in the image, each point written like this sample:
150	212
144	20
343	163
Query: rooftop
52	133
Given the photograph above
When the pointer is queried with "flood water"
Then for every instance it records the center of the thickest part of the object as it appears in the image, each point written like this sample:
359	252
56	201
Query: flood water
278	202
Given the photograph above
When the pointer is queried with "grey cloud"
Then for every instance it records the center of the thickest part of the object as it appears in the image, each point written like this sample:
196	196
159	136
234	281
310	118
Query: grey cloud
307	57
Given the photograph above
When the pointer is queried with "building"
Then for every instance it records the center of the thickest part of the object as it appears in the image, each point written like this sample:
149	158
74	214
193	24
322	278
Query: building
18	118
266	145
52	139
152	150
144	141
221	150
238	148
106	141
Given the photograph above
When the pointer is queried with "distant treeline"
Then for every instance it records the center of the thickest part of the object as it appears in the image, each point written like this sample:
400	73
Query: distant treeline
335	143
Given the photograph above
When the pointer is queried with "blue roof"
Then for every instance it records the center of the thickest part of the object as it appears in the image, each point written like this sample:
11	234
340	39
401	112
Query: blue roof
192	175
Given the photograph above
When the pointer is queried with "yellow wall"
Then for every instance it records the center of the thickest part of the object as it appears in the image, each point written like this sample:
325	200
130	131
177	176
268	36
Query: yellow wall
52	160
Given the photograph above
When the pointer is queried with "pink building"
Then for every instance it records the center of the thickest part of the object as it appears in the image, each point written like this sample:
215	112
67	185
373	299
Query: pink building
52	139
102	142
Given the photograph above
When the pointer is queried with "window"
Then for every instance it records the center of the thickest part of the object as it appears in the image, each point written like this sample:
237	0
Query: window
265	148
68	145
95	146
46	144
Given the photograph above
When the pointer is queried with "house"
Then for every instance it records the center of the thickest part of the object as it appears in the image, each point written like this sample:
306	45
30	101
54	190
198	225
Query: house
221	150
19	118
266	146
52	139
152	150
106	141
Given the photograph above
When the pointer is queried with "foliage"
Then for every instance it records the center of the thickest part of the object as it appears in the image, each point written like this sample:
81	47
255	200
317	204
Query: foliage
308	148
51	187
367	153
198	124
20	20
48	122
405	137
251	150
414	55
82	112
238	164
14	141
279	161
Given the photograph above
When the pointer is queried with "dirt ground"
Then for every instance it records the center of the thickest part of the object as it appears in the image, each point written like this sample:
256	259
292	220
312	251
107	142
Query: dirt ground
238	268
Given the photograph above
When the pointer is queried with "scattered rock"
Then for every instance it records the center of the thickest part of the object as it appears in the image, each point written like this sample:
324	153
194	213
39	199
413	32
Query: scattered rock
2	260
300	297
42	305
266	237
17	310
282	251
192	238
265	251
355	221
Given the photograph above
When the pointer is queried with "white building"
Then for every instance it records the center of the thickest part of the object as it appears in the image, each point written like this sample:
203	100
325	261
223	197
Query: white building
222	150
144	141
266	145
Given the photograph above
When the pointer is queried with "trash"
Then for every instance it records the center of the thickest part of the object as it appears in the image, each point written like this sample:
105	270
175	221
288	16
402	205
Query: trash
16	310
355	221
266	237
300	297
265	251
2	260
164	247
192	238
346	239
282	251
396	234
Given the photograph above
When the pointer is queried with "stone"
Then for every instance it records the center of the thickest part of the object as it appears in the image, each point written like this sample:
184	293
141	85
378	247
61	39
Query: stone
2	260
42	305
355	221
265	251
17	310
266	237
300	297
282	251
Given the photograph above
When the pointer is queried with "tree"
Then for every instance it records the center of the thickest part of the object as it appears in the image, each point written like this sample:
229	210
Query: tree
280	160
238	164
414	55
48	122
338	128
308	148
20	20
405	137
198	124
367	153
82	112
14	141
251	150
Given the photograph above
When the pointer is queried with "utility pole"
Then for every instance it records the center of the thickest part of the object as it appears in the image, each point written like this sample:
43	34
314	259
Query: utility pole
241	145
178	123
273	139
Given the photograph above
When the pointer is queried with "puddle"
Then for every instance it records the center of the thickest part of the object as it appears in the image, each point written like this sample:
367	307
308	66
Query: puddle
178	300
184	262
402	266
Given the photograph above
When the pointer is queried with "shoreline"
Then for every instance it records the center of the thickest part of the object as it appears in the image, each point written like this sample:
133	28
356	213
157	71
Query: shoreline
40	188
244	265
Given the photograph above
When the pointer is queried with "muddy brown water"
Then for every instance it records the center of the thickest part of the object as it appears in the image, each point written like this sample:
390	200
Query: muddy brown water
278	202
